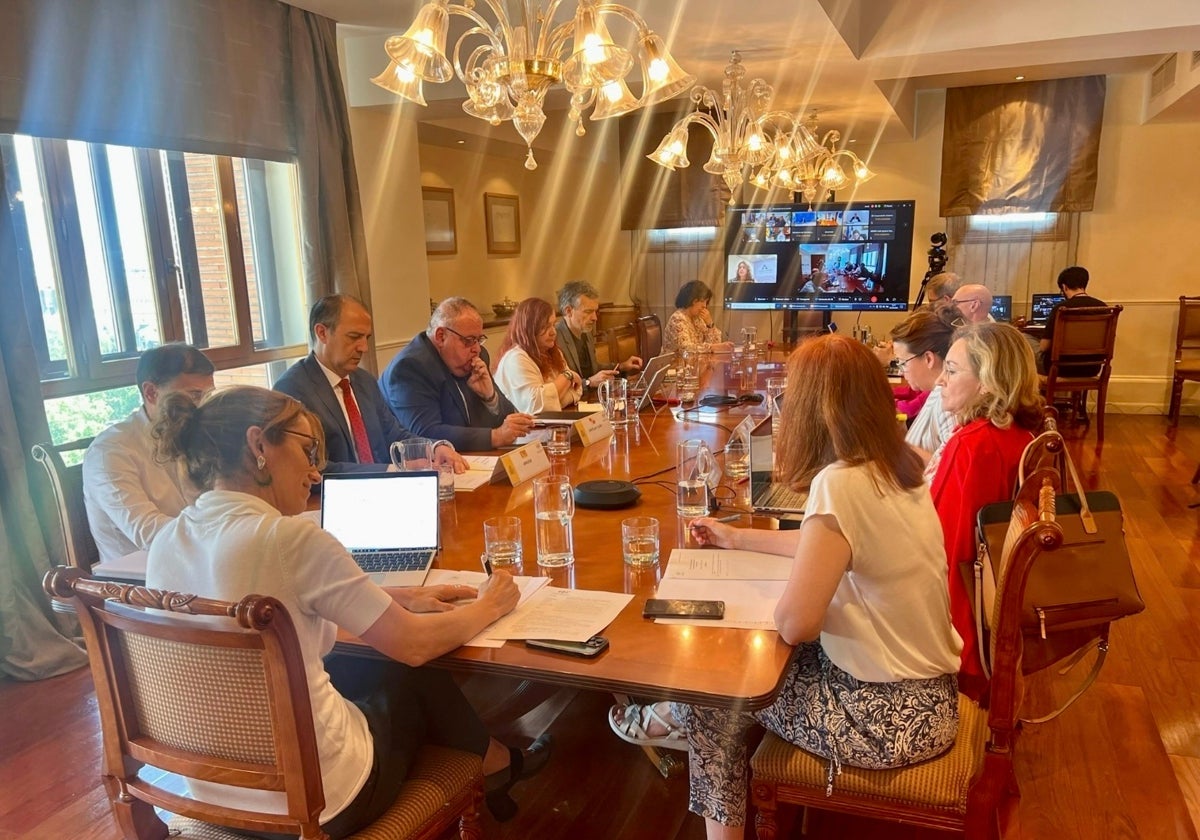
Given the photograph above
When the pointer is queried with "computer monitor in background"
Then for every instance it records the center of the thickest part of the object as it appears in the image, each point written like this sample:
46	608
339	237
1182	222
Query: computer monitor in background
1042	306
1002	308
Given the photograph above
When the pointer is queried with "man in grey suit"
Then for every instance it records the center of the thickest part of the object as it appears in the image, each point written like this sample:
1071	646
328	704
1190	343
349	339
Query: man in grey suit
359	426
579	303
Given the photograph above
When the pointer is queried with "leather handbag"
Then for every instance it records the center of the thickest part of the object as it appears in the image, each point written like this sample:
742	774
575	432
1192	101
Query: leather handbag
1074	592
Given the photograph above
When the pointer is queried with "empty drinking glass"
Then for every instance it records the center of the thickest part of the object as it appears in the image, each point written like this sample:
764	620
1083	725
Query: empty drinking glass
553	508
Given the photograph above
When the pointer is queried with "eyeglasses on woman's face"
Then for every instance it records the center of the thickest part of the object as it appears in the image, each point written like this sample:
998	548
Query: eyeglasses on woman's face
903	363
312	450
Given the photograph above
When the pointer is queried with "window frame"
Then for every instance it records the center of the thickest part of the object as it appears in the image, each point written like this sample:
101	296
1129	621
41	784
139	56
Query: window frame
86	369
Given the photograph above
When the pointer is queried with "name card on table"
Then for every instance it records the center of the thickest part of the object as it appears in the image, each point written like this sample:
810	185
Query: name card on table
522	463
593	428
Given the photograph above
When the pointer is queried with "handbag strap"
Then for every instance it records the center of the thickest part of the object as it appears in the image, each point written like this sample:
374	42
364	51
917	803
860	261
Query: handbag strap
1101	655
984	654
1085	510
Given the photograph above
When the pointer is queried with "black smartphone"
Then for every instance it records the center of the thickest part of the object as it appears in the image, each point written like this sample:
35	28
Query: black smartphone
592	647
676	608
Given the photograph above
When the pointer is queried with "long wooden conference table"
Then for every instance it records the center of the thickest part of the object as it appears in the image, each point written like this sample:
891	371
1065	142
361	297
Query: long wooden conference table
713	666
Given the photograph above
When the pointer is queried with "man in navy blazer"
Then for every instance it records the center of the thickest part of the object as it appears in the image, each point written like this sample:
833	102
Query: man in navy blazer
439	385
341	327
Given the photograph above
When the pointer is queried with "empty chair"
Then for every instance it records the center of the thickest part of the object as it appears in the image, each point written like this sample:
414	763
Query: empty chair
1187	357
649	336
65	486
224	698
962	788
623	342
1080	355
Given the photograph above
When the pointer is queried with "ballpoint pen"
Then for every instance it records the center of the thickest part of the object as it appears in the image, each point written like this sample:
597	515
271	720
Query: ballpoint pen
487	564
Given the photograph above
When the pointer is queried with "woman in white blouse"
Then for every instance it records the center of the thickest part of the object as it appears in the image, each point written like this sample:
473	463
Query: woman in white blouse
690	326
531	369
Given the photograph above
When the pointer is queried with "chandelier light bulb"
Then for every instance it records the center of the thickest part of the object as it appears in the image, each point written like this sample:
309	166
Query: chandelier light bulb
612	91
593	49
404	73
754	141
658	71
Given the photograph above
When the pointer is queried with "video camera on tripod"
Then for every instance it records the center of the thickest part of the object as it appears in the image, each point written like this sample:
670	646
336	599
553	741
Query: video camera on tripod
937	263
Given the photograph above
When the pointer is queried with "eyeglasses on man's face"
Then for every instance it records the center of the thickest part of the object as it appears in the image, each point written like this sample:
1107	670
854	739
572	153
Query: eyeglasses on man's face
468	340
312	450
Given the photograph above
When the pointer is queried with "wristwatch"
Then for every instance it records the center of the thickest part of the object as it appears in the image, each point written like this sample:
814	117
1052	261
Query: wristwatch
587	383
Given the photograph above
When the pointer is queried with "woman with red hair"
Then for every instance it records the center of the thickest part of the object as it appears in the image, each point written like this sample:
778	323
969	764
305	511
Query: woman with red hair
531	370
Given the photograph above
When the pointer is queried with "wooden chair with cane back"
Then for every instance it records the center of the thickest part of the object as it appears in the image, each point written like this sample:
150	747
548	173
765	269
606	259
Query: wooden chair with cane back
963	788
216	691
1187	353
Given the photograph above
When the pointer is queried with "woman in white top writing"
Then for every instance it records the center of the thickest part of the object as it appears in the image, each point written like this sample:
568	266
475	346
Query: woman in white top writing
873	681
256	454
531	369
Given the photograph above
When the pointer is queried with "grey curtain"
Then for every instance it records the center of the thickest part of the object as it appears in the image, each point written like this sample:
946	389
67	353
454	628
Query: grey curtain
1027	147
32	644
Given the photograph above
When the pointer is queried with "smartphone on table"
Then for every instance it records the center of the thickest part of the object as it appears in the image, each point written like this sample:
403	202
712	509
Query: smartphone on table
592	647
680	608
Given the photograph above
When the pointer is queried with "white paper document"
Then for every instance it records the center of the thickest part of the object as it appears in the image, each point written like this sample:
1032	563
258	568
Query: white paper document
749	582
450	577
726	564
569	615
480	469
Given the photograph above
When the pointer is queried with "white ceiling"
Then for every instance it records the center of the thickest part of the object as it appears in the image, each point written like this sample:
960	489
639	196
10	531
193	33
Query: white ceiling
861	62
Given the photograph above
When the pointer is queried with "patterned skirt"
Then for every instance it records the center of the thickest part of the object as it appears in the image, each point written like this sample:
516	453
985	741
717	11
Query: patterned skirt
823	710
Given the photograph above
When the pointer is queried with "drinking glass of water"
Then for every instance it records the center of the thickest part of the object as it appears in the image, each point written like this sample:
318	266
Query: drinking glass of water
554	508
502	541
559	442
639	540
696	465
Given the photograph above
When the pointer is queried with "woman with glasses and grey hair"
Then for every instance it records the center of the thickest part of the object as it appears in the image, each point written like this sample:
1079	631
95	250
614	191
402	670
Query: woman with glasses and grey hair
256	454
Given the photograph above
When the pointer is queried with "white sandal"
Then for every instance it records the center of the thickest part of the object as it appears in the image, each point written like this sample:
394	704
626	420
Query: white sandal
636	720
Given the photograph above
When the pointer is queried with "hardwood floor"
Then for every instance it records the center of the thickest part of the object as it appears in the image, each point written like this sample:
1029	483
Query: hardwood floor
1124	762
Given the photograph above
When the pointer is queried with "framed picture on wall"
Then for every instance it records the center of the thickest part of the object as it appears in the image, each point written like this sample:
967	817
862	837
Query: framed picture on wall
503	216
437	204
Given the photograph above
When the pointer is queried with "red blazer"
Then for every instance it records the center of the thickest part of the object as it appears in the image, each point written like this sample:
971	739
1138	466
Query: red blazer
978	467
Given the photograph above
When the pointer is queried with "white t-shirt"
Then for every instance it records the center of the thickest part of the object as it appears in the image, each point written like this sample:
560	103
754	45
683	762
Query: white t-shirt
521	381
128	493
889	619
229	545
933	425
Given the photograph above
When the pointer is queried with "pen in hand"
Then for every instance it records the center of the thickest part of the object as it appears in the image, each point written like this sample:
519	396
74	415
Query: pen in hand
487	564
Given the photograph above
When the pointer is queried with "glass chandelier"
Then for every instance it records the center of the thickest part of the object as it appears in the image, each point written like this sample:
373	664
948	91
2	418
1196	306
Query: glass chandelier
775	147
508	69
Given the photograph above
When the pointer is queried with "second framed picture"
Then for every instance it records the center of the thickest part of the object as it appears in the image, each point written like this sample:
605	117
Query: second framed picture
502	213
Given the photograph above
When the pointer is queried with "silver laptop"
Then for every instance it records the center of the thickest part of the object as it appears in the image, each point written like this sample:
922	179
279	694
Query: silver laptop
651	380
767	495
387	521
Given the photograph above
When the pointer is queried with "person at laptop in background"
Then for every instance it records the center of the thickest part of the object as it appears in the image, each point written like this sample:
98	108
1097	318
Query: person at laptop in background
358	425
130	496
872	683
255	454
530	367
1072	282
579	303
439	385
921	342
690	326
974	303
989	382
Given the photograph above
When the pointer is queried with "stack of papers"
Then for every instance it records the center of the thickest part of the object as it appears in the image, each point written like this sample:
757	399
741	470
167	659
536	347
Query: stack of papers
571	615
749	582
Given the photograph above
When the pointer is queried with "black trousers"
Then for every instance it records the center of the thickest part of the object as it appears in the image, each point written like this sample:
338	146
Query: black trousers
405	708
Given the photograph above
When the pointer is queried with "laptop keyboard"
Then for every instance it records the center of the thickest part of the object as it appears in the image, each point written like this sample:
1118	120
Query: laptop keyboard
391	561
781	497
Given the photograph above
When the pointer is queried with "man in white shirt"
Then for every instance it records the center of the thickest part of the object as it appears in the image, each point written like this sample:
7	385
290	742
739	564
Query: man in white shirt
359	427
129	494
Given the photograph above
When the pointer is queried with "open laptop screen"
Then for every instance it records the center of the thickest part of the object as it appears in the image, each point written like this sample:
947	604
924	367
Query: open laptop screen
381	510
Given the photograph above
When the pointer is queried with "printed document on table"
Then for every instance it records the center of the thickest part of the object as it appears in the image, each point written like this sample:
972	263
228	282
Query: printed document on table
450	577
568	615
749	604
726	564
480	469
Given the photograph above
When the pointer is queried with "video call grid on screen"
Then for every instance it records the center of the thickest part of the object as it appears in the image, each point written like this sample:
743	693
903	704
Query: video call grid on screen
832	256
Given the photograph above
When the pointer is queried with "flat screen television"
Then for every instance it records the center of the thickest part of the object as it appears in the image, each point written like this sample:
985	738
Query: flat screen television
1002	308
847	256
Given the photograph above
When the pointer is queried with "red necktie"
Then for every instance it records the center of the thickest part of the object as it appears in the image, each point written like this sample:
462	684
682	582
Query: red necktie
361	443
